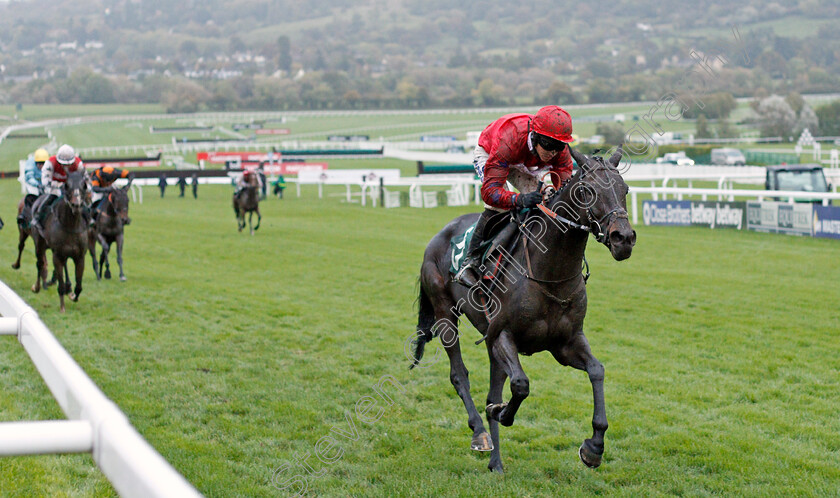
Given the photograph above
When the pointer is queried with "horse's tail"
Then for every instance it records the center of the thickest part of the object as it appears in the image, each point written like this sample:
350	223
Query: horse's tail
425	322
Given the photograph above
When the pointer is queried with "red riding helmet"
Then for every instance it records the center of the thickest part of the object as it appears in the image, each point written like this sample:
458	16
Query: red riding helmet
553	121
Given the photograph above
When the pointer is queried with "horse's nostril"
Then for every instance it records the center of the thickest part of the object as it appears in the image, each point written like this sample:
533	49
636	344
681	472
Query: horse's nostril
616	237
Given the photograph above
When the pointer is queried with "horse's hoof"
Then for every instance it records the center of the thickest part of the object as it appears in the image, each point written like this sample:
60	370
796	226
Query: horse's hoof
589	456
15	266
482	442
122	278
36	289
74	297
496	467
494	410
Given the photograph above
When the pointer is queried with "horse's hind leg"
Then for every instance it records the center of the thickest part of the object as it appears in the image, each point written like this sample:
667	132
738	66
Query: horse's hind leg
446	326
504	351
259	219
459	376
577	354
119	256
24	233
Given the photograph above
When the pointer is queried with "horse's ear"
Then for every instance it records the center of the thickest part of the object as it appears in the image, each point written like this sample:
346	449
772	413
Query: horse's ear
579	158
616	157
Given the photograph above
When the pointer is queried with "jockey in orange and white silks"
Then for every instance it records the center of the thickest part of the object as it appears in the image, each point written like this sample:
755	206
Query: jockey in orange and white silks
520	149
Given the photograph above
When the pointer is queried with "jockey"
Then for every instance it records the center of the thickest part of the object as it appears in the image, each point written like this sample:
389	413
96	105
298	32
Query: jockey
102	179
245	180
32	181
520	149
53	176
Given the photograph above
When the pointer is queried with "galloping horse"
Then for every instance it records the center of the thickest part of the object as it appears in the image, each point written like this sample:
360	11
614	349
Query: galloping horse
247	201
65	232
109	228
534	302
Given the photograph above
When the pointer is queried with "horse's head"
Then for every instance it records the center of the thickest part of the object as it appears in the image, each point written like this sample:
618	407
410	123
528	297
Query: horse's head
599	197
75	190
252	180
118	198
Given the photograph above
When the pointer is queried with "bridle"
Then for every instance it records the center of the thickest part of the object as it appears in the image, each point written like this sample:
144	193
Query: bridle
592	225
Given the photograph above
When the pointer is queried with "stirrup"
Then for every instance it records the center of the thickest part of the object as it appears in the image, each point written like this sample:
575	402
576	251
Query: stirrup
465	277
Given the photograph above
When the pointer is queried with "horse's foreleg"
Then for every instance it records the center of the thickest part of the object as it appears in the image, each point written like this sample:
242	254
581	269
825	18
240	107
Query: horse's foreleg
79	265
251	222
40	270
578	355
58	270
504	351
104	264
259	219
92	249
119	256
494	397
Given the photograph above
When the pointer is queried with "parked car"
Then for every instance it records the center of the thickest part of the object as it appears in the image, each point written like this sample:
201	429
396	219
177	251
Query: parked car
728	157
802	177
678	158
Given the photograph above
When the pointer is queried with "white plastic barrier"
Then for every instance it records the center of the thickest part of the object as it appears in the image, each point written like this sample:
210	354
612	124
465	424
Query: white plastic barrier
392	199
96	424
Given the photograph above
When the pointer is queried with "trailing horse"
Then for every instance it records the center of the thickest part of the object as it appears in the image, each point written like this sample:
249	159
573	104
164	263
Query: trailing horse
109	228
535	299
65	232
247	201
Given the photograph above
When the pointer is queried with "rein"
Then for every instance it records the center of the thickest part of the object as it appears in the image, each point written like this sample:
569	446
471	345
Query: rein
606	220
61	222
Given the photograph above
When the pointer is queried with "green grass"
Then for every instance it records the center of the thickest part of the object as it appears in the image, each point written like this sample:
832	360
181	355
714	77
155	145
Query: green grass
231	354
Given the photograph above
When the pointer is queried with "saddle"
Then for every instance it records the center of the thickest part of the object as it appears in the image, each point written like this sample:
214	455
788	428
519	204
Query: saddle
500	234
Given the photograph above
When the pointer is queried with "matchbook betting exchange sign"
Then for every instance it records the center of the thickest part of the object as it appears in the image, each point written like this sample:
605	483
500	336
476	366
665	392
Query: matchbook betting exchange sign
772	217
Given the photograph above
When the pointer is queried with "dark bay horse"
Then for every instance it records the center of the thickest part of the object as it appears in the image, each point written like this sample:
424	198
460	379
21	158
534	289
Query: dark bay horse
65	232
109	228
535	301
247	201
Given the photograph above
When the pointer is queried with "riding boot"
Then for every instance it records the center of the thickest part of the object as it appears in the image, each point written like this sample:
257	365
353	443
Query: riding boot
467	274
39	215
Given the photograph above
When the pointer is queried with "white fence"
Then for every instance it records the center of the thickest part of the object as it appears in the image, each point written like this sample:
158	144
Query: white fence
96	424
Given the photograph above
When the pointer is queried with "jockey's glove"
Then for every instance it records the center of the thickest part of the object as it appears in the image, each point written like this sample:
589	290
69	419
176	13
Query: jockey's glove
528	200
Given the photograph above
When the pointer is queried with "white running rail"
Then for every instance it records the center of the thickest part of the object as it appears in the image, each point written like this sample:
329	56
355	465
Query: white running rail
96	425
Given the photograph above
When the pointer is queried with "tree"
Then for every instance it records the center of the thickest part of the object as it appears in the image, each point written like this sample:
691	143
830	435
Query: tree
613	133
702	127
726	130
560	93
829	119
796	101
715	106
776	118
807	119
284	53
